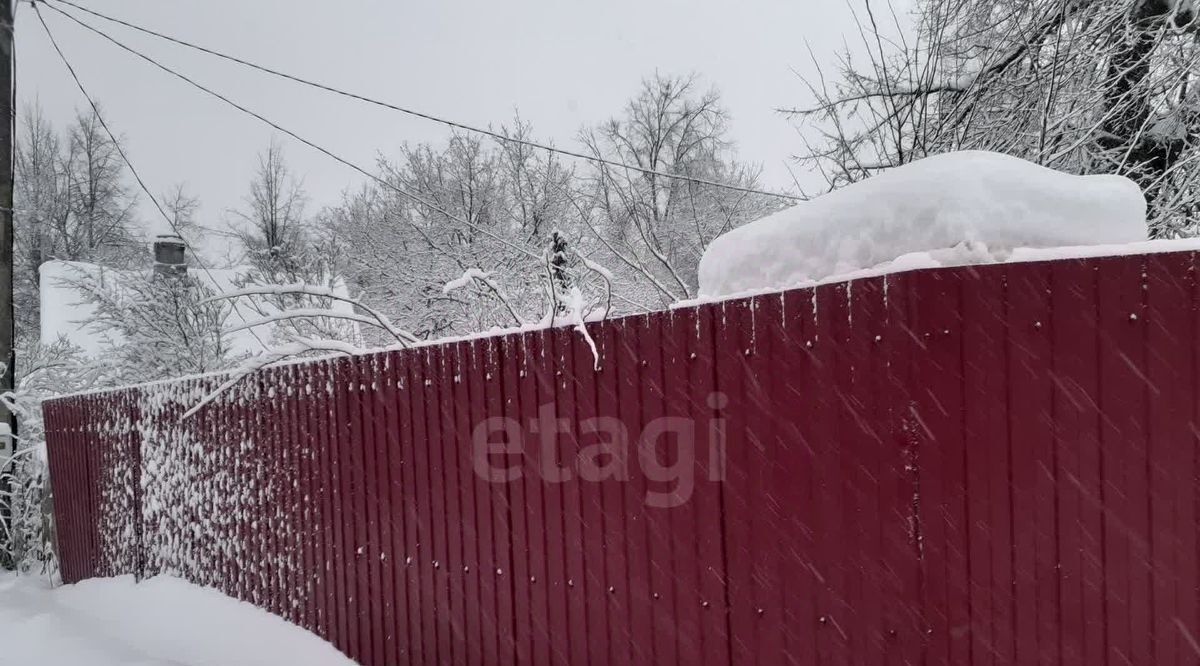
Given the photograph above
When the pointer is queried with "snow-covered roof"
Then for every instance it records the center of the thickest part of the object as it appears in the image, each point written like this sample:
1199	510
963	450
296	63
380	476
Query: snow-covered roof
66	313
976	206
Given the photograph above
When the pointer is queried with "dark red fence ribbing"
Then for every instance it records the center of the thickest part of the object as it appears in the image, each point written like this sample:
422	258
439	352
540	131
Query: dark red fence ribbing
983	465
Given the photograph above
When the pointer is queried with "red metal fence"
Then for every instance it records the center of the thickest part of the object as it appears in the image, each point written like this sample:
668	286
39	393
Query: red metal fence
984	465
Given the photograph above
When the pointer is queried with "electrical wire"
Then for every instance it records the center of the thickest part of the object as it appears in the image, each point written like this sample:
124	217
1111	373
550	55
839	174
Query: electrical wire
426	116
124	157
328	153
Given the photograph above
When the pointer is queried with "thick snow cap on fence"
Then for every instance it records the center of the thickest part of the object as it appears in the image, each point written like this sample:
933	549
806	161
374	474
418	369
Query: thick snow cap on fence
977	206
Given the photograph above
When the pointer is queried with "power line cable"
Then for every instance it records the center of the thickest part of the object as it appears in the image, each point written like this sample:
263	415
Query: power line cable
121	151
328	153
426	116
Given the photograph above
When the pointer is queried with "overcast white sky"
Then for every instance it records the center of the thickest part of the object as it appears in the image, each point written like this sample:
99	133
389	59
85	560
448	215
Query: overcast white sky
562	63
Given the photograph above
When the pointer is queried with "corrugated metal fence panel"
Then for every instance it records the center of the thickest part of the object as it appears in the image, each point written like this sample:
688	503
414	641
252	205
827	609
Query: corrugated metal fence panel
982	465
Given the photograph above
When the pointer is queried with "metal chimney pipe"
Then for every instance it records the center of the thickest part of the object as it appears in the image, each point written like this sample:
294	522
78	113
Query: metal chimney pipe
170	255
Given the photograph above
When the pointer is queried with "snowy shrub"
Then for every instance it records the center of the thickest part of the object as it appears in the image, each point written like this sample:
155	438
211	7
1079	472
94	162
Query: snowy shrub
156	326
27	539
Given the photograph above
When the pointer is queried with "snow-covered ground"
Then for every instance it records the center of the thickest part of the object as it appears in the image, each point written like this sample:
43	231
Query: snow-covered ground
159	622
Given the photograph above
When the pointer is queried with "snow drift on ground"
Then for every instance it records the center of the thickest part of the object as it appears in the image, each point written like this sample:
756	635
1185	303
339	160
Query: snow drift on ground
978	206
161	621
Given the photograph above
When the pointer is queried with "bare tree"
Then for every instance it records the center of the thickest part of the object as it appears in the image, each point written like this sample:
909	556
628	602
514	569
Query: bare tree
41	201
538	186
1085	86
100	227
655	228
273	223
475	234
71	204
181	208
470	208
282	248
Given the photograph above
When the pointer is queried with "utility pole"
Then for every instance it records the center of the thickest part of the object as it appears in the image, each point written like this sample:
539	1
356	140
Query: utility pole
8	354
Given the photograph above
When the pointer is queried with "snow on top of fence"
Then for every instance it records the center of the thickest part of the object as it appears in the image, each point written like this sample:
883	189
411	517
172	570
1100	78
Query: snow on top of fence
958	208
966	254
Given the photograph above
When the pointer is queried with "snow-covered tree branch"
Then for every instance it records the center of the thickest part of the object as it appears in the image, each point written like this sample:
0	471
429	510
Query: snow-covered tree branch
1080	86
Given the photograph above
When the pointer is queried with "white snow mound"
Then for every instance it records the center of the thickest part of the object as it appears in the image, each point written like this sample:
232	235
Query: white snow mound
158	622
987	203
